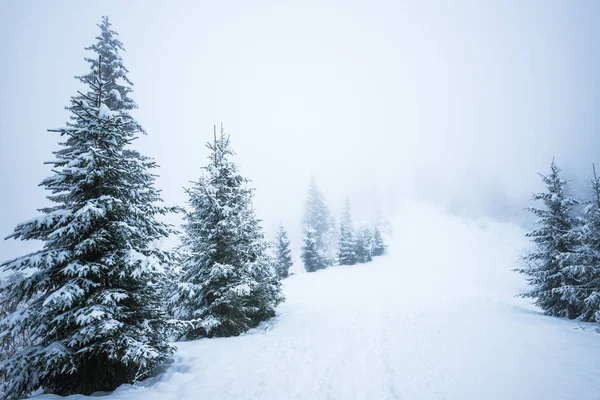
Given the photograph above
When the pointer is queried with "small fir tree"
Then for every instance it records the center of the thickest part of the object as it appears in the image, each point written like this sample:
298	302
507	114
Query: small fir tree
312	258
283	253
548	268
363	244
229	284
347	245
316	228
378	243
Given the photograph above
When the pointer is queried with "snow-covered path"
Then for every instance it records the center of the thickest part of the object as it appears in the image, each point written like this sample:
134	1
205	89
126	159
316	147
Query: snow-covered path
434	319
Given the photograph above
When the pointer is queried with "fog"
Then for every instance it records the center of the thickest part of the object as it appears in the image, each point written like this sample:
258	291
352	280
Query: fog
459	103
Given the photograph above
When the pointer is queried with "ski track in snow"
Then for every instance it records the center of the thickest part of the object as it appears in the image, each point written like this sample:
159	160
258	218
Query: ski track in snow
433	319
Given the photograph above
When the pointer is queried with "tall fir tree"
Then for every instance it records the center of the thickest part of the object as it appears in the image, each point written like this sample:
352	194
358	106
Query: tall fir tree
316	229
586	268
363	245
91	310
548	268
378	242
118	86
229	284
283	253
347	245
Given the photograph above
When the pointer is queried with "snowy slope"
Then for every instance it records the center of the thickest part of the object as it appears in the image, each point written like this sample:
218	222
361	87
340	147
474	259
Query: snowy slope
434	319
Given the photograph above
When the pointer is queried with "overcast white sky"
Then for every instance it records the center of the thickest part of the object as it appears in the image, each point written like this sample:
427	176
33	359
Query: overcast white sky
461	102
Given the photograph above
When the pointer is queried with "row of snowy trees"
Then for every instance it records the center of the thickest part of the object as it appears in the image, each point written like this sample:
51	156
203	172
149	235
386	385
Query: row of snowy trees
98	304
319	247
358	246
564	267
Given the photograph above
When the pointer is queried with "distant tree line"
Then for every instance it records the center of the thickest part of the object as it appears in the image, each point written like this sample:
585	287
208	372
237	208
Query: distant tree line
322	246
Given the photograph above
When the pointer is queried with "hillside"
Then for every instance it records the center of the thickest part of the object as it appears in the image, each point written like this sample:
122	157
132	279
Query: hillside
433	319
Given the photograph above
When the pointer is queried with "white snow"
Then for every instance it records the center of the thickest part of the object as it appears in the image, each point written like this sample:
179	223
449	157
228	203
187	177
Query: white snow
433	319
104	112
116	95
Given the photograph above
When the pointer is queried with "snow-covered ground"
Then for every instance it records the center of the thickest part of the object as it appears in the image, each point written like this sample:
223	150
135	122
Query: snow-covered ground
433	319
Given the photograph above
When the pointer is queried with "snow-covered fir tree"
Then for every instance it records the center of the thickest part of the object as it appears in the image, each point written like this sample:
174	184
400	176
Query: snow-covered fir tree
548	268
316	229
586	268
378	242
229	284
312	258
91	311
118	87
363	244
283	253
347	245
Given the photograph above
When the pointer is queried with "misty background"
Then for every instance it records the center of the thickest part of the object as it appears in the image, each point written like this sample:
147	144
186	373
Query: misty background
458	103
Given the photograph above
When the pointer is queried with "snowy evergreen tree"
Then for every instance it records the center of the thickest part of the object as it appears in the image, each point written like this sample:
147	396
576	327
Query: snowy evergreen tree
586	268
117	85
316	228
283	253
229	284
378	243
549	267
312	258
347	245
363	244
91	309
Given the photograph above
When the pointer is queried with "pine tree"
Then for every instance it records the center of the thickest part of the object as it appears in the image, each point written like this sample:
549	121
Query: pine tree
586	268
229	284
117	85
92	312
347	245
283	253
363	245
548	267
378	243
316	228
312	258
